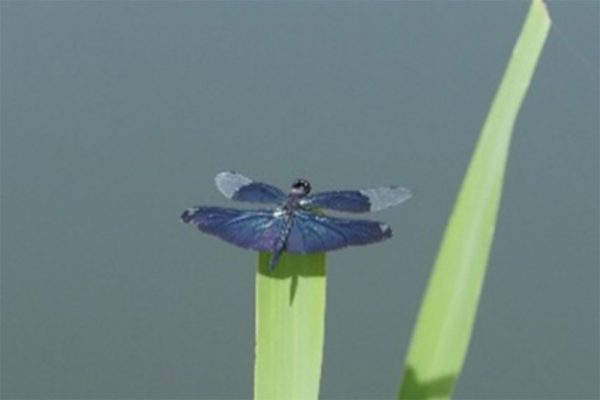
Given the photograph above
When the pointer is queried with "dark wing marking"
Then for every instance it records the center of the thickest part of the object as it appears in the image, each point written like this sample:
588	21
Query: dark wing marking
358	200
313	233
238	187
250	229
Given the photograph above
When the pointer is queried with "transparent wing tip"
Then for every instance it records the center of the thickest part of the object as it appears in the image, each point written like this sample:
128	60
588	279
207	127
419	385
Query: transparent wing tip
385	197
229	182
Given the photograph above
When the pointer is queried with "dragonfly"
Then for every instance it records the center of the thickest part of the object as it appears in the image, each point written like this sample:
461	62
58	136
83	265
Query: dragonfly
295	222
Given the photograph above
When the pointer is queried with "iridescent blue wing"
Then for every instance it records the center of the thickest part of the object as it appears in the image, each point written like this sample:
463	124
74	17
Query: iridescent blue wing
236	186
250	229
313	233
358	200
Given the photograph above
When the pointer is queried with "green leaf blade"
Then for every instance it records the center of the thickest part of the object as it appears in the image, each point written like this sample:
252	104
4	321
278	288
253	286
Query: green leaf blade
290	326
443	330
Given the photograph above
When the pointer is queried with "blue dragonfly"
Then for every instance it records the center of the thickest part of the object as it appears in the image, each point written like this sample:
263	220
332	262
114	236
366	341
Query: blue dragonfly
296	223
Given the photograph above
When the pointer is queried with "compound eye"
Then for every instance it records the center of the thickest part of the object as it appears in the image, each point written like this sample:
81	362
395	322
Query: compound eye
301	185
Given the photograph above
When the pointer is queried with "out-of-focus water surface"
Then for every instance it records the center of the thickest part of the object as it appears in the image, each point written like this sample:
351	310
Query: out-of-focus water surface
117	115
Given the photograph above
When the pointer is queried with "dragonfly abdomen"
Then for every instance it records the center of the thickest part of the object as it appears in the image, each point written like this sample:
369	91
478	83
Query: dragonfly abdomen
281	241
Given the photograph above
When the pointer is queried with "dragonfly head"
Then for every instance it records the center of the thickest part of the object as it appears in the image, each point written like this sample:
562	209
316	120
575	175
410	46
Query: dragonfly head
300	188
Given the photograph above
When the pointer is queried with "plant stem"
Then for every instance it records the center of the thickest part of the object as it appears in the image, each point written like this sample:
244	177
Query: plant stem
290	326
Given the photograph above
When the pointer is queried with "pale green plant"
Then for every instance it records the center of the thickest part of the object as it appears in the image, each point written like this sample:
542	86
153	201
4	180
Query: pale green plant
443	330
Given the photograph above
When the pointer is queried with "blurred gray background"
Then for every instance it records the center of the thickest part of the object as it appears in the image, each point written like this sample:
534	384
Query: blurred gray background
117	115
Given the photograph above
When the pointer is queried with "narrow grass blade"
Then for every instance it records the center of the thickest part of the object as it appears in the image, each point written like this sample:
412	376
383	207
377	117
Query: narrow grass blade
443	329
290	326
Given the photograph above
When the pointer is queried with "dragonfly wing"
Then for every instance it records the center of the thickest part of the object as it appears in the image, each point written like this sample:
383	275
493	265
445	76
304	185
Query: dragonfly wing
358	200
238	187
314	233
251	229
